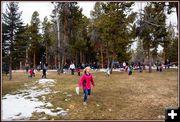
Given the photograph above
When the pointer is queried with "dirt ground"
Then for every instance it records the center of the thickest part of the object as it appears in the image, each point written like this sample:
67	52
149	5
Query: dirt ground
142	96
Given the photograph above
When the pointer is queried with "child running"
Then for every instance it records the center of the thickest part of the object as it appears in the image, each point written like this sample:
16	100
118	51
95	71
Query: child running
31	73
130	70
85	82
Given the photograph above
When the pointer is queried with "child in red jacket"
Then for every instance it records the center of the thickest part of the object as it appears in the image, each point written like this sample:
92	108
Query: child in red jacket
85	82
31	73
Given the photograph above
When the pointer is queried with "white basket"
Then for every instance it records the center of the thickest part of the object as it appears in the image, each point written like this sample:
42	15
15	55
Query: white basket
77	90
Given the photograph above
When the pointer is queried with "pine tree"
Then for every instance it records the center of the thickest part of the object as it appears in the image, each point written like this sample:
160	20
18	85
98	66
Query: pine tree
152	29
170	45
72	34
13	24
48	38
35	38
139	56
115	28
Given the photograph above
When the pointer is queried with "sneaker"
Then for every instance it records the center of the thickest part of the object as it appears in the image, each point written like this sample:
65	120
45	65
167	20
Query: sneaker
84	103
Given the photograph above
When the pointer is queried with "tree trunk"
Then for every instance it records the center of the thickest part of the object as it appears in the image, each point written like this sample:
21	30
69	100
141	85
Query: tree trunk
55	61
46	54
10	56
59	61
20	65
26	55
149	59
65	58
177	11
58	41
102	64
78	56
62	61
112	62
10	65
34	63
76	61
64	41
81	58
107	53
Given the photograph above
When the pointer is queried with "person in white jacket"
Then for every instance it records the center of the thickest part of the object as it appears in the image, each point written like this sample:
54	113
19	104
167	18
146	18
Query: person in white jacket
72	68
108	70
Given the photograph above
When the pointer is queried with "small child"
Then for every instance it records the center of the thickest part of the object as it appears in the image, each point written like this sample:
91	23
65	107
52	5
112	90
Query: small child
58	70
140	68
85	82
31	73
78	71
161	67
126	68
130	70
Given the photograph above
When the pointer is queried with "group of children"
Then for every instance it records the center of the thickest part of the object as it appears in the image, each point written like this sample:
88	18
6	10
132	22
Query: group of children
44	71
126	68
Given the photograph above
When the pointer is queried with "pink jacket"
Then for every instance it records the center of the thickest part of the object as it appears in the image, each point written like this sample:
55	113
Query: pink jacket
89	79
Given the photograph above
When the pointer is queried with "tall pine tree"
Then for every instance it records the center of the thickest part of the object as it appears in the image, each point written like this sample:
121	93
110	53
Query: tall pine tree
35	37
152	29
12	23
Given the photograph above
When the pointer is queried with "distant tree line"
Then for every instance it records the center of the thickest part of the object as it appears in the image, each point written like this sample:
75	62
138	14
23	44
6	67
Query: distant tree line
69	36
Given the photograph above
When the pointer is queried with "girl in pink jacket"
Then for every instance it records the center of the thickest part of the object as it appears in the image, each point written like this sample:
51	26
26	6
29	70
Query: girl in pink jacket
85	82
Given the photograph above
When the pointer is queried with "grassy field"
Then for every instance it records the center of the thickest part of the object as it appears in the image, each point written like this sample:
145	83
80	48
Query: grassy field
142	96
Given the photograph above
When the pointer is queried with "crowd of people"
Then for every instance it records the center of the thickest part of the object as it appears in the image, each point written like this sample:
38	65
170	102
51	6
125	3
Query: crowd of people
73	69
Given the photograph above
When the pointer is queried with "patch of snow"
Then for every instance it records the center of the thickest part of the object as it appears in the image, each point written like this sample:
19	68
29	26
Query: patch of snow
36	93
55	92
34	87
49	112
46	81
49	105
62	113
97	105
58	108
21	105
65	93
13	106
110	109
44	98
67	109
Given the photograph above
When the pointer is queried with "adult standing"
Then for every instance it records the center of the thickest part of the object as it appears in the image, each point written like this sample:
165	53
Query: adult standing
166	63
44	70
27	68
82	66
72	68
65	68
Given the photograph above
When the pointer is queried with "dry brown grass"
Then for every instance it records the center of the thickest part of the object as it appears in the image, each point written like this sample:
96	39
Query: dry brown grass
140	96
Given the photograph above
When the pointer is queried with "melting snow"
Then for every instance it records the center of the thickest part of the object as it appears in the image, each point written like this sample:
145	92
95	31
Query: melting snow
22	105
13	106
44	81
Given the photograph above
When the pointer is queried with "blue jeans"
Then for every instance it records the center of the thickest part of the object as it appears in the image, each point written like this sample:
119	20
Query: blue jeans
86	93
